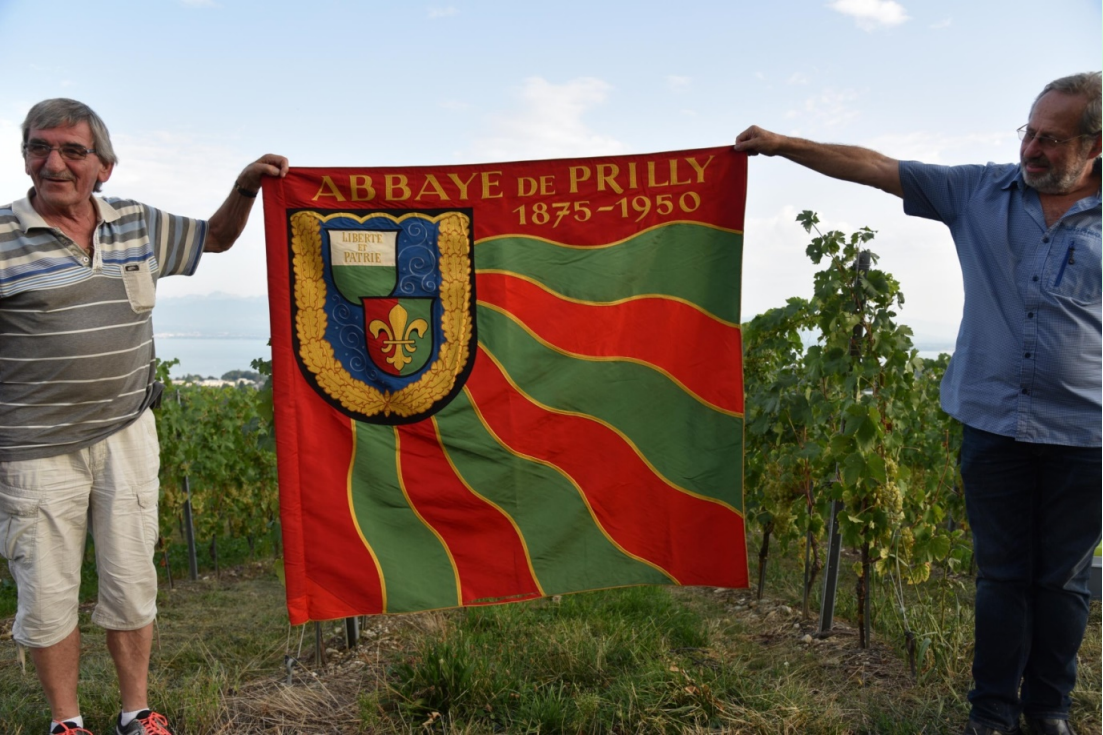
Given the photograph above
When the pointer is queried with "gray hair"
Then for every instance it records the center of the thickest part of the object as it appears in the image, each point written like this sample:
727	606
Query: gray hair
61	112
1085	85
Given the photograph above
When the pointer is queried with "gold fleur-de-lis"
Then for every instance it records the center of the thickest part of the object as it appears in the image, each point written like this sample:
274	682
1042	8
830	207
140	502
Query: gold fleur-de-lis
398	335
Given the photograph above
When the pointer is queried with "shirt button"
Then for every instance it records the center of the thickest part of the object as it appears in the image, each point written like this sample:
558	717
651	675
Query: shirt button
1045	239
85	259
1027	355
1030	315
1026	391
1035	278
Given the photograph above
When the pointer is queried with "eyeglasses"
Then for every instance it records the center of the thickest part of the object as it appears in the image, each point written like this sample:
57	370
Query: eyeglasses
68	151
1046	142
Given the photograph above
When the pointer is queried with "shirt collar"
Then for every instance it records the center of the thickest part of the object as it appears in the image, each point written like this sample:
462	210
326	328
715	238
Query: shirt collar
1013	178
30	219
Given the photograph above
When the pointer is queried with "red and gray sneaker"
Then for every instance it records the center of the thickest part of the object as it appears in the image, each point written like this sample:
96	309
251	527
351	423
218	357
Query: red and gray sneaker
68	728
146	723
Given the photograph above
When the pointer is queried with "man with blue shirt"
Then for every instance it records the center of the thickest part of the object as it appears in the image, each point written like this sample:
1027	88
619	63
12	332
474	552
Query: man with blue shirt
1025	381
78	445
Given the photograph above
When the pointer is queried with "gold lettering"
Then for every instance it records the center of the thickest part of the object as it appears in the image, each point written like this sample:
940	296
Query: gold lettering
361	184
651	176
546	185
333	190
578	174
360	237
489	184
674	174
526	186
700	169
362	257
438	190
607	172
396	183
632	175
462	184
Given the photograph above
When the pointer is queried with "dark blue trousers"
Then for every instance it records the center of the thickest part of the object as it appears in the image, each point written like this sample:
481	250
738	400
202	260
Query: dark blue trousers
1035	514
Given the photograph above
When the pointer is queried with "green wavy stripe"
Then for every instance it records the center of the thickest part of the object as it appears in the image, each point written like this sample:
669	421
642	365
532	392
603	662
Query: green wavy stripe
691	445
416	569
672	260
568	550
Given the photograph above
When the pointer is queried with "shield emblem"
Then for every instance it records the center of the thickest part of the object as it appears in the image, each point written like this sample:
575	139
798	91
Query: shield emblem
363	262
399	339
384	309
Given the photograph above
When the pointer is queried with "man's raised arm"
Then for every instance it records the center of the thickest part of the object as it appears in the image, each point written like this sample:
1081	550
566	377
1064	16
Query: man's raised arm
846	162
225	226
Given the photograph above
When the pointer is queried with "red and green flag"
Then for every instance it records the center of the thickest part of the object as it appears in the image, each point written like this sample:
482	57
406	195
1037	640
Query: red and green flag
504	381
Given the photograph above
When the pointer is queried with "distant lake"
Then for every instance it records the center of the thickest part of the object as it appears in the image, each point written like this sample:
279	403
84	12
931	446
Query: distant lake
211	357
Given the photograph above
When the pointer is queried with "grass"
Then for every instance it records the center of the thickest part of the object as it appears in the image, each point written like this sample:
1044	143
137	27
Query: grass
634	660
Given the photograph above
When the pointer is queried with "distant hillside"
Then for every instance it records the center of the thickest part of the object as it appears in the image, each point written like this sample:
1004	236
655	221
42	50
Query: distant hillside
212	316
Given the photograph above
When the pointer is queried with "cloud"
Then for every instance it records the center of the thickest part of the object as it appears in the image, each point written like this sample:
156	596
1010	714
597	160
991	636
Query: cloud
947	149
447	12
797	78
872	14
677	83
830	108
192	175
549	123
13	182
918	252
942	24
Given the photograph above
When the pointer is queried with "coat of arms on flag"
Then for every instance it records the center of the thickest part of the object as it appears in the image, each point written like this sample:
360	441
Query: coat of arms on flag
505	381
384	310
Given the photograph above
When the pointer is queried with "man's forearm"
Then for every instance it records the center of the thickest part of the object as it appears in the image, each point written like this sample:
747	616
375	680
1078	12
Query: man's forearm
226	225
846	162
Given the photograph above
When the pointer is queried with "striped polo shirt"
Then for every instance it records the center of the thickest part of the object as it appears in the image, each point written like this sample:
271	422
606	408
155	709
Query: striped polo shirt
76	341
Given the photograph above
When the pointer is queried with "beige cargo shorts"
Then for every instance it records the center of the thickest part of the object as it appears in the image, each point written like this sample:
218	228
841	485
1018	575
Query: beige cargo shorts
47	507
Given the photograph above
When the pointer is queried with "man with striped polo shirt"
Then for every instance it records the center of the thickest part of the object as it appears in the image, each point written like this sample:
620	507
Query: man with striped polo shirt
1025	381
78	444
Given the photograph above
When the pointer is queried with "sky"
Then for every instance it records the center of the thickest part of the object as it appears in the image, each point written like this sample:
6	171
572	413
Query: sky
192	90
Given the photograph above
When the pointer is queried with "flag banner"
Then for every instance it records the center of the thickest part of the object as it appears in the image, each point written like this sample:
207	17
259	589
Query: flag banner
500	382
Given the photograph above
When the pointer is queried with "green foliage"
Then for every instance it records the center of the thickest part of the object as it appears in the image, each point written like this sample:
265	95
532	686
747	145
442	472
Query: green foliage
608	661
222	440
841	406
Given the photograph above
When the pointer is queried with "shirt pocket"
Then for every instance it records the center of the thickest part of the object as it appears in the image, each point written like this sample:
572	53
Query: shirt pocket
1073	267
140	289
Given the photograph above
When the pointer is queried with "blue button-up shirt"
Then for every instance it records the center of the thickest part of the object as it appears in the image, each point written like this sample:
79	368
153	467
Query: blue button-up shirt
1027	360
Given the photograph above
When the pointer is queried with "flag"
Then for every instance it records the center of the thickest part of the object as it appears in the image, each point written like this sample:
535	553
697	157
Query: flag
505	381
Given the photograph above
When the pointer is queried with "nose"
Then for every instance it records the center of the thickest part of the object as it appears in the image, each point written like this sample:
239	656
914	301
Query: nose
1031	148
53	161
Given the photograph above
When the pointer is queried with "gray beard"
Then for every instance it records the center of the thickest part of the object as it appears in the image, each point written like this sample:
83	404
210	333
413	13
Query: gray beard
1052	182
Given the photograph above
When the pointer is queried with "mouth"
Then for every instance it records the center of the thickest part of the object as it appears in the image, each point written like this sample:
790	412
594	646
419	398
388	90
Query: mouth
1035	165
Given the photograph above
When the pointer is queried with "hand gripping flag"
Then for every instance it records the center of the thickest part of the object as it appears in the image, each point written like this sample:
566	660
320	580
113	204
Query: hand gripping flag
499	382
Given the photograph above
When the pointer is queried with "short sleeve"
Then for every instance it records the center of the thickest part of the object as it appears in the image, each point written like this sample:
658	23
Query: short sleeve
177	241
938	192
